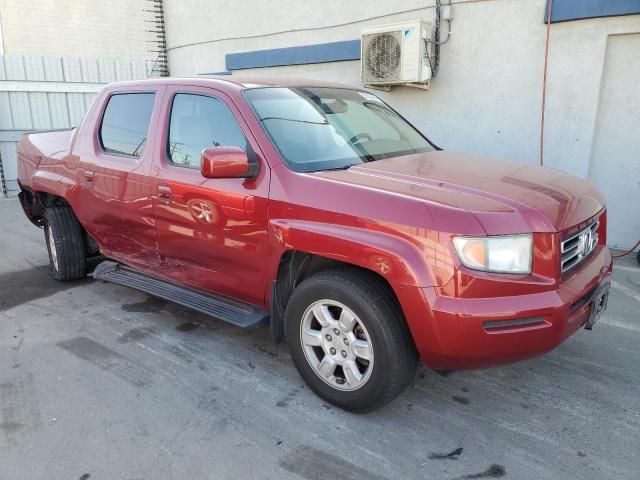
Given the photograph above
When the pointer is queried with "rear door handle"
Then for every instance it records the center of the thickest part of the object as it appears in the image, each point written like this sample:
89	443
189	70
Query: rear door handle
164	192
89	176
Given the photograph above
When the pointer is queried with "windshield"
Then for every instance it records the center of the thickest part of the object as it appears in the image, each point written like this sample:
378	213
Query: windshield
332	128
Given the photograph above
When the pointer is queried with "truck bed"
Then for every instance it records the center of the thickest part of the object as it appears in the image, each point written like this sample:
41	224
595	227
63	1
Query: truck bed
43	151
41	157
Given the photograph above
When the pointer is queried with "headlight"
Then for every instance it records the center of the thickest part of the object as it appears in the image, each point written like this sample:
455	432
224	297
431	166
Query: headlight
500	254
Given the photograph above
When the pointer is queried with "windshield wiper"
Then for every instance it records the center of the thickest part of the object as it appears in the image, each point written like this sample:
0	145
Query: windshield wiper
294	120
344	167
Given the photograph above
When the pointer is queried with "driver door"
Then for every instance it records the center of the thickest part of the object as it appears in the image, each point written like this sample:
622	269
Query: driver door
211	233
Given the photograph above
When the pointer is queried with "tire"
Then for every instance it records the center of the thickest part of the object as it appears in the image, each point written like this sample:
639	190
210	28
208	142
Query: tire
65	243
377	361
638	257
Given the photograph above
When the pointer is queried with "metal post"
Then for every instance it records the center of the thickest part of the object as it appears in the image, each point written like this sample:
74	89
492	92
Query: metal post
3	183
158	43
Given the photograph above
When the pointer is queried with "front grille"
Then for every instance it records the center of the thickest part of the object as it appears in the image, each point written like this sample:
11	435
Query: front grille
578	246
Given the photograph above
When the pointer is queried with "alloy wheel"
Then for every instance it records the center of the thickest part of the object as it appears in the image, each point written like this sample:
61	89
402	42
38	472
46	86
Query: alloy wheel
337	345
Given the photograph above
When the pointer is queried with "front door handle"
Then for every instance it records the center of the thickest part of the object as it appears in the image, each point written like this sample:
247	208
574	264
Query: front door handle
164	192
89	176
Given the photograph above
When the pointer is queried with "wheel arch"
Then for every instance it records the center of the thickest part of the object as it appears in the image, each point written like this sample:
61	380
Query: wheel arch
395	256
294	267
303	246
35	202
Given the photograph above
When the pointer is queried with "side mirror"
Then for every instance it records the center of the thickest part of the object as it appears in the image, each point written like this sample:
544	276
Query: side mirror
227	162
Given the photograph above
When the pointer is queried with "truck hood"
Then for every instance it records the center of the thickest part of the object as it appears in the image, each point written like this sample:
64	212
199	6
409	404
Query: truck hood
505	196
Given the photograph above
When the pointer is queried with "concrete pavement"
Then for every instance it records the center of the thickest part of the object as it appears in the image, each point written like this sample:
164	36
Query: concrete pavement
99	381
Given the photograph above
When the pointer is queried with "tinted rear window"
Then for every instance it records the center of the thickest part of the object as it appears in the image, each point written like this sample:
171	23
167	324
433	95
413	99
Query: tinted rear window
125	123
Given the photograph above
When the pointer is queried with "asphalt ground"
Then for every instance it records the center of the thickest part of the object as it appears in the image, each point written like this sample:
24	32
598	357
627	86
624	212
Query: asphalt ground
99	381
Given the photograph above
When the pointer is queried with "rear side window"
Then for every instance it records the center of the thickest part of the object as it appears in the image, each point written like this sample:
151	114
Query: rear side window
125	123
199	122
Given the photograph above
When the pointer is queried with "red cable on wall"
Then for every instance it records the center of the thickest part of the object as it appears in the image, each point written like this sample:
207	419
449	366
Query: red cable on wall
544	100
544	80
624	254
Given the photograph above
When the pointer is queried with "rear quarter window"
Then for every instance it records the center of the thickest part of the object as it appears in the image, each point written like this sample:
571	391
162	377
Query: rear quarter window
125	123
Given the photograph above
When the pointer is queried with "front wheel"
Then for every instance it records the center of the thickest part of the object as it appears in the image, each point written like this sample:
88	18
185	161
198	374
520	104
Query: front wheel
348	339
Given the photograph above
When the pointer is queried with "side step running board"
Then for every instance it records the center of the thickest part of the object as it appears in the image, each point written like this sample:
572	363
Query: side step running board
237	313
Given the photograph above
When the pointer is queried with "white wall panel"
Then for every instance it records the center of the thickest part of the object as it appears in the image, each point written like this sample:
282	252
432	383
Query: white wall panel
6	120
107	71
58	110
14	68
615	157
77	108
89	70
138	70
40	93
53	69
20	110
88	98
39	104
123	71
8	150
72	69
34	68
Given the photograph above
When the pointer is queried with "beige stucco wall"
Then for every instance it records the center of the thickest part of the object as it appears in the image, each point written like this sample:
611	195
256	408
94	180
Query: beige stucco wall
487	96
75	28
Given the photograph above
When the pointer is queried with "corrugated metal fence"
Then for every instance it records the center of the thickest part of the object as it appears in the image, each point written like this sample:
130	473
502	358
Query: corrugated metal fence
39	93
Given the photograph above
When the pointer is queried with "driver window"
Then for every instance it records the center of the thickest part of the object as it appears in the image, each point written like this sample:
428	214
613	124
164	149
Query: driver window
199	122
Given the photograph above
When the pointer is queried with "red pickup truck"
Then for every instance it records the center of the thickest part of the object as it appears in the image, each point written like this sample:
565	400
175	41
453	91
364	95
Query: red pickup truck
318	209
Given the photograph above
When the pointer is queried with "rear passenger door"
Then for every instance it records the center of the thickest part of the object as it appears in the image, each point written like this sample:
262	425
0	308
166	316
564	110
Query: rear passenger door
115	203
212	233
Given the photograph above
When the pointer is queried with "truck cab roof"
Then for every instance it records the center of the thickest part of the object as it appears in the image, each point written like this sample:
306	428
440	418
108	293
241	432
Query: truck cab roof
228	82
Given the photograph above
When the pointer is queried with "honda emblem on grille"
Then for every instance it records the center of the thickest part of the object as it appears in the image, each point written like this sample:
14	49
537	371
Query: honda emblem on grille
584	243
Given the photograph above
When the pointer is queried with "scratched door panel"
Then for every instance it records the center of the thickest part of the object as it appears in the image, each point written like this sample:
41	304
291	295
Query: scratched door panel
212	233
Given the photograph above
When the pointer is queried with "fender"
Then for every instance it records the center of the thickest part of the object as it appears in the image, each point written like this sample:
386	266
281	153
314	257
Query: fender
395	258
45	164
399	261
47	181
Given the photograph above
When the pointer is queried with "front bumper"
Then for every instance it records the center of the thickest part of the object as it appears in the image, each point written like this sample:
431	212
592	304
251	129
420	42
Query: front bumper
457	333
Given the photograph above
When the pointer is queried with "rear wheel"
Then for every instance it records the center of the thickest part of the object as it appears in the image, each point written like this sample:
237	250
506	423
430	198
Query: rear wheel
348	339
65	242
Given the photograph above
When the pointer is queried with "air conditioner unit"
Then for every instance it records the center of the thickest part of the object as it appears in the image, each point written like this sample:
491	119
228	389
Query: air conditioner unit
396	55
